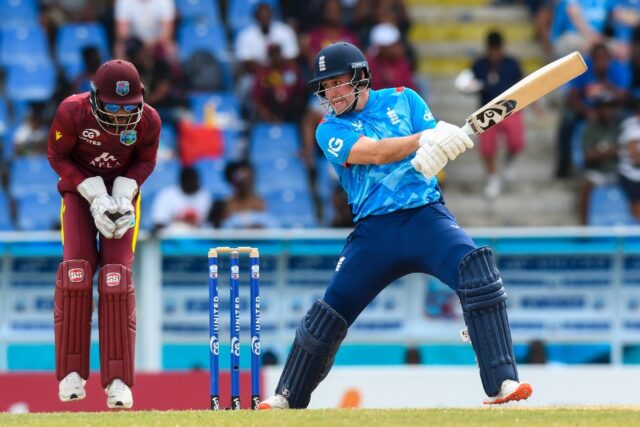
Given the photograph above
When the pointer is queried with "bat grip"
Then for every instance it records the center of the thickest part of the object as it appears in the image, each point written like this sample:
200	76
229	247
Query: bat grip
467	129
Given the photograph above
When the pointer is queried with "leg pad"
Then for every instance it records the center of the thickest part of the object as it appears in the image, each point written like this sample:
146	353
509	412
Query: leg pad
484	306
117	324
72	302
312	354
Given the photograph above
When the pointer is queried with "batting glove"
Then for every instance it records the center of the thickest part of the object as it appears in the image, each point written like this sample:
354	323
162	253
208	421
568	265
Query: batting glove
450	138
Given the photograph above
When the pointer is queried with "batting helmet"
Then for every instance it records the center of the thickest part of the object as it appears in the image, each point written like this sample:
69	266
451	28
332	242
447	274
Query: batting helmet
337	59
116	96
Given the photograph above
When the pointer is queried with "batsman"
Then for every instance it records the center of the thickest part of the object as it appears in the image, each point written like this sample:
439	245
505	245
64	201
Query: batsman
387	149
103	145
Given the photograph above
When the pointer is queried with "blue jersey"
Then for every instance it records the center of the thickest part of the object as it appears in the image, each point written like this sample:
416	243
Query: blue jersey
380	189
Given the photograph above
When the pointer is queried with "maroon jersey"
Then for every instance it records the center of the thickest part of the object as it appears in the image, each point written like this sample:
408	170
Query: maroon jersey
79	148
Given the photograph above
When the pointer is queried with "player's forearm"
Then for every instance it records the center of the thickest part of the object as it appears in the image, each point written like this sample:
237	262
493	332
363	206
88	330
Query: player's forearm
387	150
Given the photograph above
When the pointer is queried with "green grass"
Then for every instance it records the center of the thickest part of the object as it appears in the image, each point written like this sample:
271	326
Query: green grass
493	417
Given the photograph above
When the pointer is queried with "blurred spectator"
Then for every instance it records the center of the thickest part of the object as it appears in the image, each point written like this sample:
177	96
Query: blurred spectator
624	18
150	21
330	30
183	206
497	72
203	73
91	60
55	13
412	356
388	60
342	216
303	15
537	353
600	147
369	13
30	137
279	91
244	208
629	155
161	78
634	63
604	74
580	24
252	45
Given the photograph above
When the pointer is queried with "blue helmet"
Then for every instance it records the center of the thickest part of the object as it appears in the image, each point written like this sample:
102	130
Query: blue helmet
337	59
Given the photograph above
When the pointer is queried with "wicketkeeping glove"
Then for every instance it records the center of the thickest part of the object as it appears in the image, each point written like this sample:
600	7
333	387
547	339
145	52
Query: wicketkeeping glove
124	190
102	205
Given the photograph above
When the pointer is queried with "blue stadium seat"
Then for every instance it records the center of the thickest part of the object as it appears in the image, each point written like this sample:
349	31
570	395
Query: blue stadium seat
168	142
70	41
146	203
608	205
207	11
165	174
18	13
4	129
23	45
240	13
193	37
211	173
293	209
227	109
5	213
196	37
271	141
32	174
30	82
38	211
283	173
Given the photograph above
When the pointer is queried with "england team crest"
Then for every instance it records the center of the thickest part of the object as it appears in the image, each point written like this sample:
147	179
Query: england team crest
122	87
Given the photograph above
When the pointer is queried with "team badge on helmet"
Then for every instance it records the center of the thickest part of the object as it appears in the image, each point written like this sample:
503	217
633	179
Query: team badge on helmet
122	87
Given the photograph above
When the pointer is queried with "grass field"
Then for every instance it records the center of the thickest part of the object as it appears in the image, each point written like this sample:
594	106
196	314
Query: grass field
493	417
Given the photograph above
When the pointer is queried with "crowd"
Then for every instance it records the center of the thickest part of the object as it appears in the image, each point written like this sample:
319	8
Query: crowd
222	75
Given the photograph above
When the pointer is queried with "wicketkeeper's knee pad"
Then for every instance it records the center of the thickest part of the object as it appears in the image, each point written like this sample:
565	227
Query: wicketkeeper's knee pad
312	354
117	324
483	301
72	307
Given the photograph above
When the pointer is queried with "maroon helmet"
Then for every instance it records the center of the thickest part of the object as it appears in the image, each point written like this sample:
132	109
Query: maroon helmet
117	96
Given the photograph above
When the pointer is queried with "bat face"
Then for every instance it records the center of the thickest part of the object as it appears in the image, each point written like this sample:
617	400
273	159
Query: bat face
526	91
493	114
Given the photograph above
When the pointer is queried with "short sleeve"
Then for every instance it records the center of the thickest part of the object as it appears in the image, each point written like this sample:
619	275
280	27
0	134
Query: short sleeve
336	141
421	116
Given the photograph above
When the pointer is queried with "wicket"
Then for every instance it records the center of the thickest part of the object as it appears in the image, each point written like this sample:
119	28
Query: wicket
234	325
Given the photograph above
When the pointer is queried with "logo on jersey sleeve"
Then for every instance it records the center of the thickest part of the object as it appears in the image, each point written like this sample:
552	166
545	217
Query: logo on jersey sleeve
122	87
335	145
428	116
58	135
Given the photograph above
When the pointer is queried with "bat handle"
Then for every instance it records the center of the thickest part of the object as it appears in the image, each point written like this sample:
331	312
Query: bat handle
467	129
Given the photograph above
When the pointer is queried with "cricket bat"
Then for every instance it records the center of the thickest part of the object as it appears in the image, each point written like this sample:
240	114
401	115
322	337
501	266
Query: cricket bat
534	86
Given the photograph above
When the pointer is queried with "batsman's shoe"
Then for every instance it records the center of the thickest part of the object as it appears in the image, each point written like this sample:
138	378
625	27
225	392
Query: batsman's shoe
119	395
277	401
72	388
510	391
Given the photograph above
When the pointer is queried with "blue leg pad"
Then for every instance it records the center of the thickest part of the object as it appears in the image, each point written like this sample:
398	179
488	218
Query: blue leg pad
312	354
484	306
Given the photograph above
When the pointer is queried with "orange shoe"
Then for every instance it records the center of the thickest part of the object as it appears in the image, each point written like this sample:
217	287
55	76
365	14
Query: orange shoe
277	401
510	391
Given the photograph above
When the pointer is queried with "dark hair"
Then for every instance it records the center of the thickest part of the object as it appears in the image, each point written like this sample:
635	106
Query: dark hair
231	168
494	39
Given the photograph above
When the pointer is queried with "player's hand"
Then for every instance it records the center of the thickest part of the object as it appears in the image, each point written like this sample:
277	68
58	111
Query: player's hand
102	207
429	160
101	204
124	190
450	138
